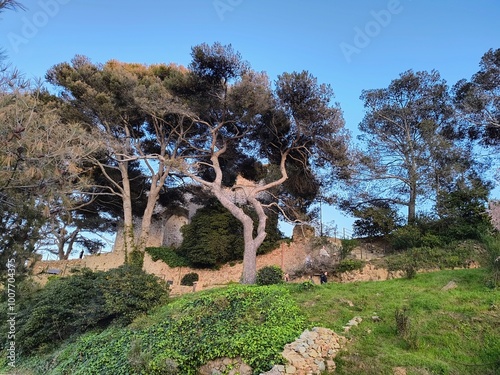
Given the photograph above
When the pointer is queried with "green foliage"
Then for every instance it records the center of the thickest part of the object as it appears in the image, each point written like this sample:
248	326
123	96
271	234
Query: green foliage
269	275
189	279
376	219
438	332
492	244
214	236
252	322
347	265
450	332
129	291
463	211
461	216
167	255
20	224
348	245
410	271
75	304
136	258
452	256
477	99
406	237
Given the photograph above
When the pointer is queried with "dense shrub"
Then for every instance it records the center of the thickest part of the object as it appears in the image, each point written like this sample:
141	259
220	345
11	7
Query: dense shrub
406	237
253	323
452	256
168	256
463	211
492	257
75	304
189	279
269	275
136	258
375	219
129	291
214	236
348	245
348	265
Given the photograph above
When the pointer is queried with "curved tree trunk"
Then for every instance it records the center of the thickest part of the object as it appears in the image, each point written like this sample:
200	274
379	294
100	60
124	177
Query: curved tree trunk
128	219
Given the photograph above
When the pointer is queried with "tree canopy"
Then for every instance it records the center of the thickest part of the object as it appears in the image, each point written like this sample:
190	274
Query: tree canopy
127	140
478	100
294	130
408	135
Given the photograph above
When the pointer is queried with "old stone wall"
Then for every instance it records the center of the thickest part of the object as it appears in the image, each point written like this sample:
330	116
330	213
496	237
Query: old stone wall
42	270
288	256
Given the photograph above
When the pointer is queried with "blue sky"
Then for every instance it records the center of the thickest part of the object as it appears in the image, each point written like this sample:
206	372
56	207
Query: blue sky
352	45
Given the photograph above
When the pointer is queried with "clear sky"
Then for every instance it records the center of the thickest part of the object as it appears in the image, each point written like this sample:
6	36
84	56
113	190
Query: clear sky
351	45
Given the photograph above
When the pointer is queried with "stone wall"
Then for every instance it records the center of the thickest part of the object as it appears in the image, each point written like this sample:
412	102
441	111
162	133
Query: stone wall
288	256
42	270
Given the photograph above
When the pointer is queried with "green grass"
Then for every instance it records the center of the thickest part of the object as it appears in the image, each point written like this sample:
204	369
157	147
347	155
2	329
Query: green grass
450	332
453	332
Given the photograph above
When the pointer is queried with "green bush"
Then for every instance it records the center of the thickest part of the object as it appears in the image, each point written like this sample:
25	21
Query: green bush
348	245
375	219
75	304
189	279
168	256
406	237
214	236
253	323
129	291
492	258
136	259
454	255
431	240
347	265
269	275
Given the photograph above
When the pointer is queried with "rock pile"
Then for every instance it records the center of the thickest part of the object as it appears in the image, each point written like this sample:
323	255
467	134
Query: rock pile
312	353
229	366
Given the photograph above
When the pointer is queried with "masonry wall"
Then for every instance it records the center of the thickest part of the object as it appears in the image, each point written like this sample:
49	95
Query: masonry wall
287	256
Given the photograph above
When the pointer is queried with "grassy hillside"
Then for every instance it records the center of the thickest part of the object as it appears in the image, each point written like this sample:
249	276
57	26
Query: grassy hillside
455	331
418	326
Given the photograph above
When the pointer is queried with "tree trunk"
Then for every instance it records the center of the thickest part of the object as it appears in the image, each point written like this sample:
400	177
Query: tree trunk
60	251
249	254
146	224
412	203
128	219
154	192
251	244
